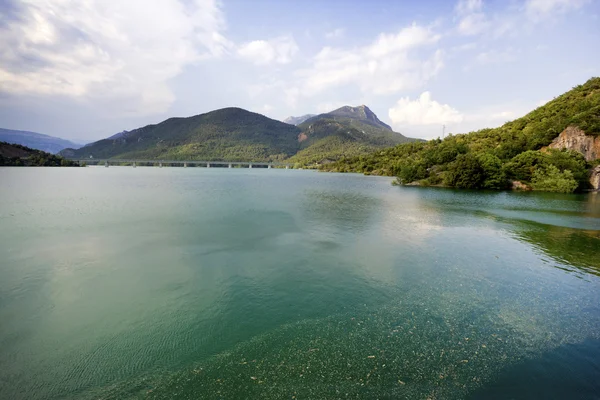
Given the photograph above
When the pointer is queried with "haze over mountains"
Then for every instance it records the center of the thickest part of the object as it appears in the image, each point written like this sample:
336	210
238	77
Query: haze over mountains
34	140
234	134
298	120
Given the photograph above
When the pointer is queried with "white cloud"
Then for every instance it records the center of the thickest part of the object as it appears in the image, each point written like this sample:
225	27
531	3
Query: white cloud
108	49
538	8
471	18
391	63
468	6
262	52
423	111
504	115
335	34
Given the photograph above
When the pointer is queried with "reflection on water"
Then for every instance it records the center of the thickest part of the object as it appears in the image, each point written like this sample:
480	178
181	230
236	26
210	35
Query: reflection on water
570	247
172	283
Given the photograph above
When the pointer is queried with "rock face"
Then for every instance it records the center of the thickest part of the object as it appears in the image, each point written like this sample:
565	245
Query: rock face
595	178
574	138
518	185
362	113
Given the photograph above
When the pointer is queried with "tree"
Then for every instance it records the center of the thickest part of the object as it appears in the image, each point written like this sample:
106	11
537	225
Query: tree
466	172
551	179
495	178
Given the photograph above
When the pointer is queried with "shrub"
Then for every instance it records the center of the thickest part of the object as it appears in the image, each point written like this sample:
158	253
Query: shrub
465	173
551	179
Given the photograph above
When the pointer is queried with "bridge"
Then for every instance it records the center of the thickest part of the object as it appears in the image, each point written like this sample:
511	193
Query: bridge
182	163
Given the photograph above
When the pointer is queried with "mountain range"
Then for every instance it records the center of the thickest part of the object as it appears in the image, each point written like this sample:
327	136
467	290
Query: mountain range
235	134
38	141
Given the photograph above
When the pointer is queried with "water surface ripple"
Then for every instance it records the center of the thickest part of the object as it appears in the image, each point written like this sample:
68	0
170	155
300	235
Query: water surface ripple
173	283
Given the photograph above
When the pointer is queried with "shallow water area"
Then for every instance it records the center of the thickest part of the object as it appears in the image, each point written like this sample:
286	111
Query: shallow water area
168	283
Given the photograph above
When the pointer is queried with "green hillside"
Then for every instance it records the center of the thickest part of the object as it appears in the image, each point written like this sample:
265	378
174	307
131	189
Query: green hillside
230	134
491	158
345	132
16	155
233	134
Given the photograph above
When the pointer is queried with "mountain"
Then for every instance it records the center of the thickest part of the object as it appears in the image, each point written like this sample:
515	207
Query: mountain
118	135
552	148
234	134
19	155
361	113
360	118
342	133
230	134
297	120
37	141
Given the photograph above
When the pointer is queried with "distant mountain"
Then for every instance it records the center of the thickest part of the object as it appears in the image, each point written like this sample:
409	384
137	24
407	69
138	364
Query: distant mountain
230	134
234	134
345	132
37	141
118	135
361	113
18	155
298	120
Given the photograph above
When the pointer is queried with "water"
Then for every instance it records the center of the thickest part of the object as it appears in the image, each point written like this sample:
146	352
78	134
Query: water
172	283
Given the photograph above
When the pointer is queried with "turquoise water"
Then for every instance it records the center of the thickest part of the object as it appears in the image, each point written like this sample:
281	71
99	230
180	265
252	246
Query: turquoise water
173	283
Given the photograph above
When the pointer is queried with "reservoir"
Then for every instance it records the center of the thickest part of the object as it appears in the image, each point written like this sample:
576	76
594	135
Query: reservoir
196	283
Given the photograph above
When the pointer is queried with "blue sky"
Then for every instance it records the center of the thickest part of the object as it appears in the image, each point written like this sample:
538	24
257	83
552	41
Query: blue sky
86	70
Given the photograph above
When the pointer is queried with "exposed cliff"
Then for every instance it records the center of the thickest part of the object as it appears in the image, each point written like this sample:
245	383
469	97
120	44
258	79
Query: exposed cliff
595	177
573	138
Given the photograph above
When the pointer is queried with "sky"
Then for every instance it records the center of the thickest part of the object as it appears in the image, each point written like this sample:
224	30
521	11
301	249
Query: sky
85	70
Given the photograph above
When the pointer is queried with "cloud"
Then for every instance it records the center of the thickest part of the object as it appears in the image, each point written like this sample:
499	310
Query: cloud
471	18
537	8
335	34
391	63
107	49
423	111
262	52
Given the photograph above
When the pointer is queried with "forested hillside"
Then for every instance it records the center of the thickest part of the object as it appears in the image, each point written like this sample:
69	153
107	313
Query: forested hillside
345	132
230	134
234	134
16	155
493	158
